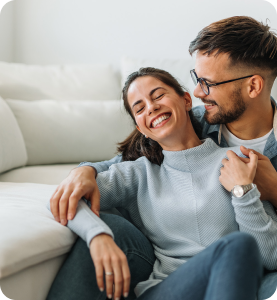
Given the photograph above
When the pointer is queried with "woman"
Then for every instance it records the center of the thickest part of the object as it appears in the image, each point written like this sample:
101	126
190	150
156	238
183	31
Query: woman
200	231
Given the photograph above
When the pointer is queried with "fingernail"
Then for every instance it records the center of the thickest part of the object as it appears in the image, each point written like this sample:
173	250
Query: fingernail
117	298
63	221
125	295
57	219
110	296
70	216
101	289
252	152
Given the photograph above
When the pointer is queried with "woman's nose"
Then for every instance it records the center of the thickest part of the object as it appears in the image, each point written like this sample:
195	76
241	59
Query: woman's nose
198	92
151	107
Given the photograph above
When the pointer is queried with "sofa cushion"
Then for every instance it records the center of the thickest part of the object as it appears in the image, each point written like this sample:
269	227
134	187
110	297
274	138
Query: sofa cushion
58	82
47	174
12	147
28	232
72	131
179	68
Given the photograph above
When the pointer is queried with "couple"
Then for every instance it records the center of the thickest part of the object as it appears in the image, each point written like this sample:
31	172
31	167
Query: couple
201	230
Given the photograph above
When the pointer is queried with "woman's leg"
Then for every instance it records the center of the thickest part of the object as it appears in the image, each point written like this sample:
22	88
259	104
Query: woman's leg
268	286
76	279
229	269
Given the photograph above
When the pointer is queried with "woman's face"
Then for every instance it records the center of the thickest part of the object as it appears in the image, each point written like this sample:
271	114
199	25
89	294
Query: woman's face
160	113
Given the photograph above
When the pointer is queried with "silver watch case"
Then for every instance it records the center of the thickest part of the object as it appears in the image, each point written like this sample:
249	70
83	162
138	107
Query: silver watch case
239	191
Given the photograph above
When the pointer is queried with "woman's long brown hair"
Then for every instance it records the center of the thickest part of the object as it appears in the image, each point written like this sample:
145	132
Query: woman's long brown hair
136	144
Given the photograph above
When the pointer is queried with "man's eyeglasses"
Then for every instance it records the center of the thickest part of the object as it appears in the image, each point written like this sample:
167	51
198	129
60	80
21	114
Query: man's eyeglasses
206	86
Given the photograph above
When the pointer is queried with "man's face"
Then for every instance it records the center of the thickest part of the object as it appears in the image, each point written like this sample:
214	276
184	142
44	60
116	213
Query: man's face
225	102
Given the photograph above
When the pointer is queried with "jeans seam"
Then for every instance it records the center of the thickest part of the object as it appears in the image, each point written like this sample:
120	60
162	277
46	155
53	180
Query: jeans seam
140	255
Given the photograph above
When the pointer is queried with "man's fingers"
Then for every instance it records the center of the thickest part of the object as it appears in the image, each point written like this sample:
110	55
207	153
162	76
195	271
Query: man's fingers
95	201
253	160
245	151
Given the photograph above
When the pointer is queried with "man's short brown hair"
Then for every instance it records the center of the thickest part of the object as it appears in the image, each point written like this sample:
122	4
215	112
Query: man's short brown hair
247	41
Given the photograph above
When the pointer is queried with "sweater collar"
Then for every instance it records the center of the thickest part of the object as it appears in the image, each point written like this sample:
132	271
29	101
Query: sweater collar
182	160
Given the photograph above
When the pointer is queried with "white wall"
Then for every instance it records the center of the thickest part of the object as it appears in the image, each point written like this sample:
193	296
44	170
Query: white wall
90	31
7	33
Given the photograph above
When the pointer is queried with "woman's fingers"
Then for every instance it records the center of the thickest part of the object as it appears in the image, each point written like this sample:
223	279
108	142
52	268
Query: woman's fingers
63	205
109	276
99	274
54	204
126	278
118	278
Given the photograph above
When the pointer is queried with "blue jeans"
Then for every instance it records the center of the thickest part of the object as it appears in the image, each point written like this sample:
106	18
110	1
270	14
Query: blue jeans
230	268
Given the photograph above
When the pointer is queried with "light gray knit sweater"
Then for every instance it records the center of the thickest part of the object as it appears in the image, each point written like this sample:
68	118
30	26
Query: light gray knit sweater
181	207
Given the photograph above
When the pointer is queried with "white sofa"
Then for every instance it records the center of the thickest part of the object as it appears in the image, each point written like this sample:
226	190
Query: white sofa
52	118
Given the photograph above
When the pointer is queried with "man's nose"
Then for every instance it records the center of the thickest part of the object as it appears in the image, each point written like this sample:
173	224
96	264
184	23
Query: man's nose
198	92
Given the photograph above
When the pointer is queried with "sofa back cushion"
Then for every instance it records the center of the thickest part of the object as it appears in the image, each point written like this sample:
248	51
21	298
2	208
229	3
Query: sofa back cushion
71	131
12	147
58	82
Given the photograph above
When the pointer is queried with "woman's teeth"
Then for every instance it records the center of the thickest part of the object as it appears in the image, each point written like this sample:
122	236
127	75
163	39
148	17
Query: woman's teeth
159	120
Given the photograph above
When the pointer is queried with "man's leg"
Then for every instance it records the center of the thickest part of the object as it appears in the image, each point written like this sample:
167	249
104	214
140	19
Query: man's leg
268	286
229	269
76	279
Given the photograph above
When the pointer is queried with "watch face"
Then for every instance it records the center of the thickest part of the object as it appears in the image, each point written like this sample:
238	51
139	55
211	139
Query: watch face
238	191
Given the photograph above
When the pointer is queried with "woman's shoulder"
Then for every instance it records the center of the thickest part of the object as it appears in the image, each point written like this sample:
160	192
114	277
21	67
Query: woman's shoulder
139	164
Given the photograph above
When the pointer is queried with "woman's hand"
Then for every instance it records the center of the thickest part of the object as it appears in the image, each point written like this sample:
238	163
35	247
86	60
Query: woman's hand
79	183
108	258
236	172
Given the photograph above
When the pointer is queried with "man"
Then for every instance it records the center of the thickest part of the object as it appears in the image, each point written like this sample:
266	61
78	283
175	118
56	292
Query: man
236	65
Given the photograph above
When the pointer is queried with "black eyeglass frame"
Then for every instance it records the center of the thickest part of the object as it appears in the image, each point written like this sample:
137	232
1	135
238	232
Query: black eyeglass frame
213	84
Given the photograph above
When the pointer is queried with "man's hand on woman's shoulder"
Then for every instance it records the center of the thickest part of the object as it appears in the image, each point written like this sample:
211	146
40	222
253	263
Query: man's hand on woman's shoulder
79	183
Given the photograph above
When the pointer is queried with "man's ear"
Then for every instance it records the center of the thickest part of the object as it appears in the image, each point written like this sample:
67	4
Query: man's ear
188	101
256	85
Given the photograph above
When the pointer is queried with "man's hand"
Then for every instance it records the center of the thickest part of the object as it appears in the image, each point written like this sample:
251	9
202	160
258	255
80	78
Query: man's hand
79	183
109	258
266	176
236	172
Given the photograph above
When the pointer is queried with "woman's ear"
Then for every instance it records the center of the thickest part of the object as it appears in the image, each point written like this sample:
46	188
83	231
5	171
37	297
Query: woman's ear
141	131
188	101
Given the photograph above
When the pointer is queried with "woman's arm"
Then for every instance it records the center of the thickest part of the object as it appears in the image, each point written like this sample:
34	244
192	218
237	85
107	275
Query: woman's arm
252	215
79	183
102	166
259	219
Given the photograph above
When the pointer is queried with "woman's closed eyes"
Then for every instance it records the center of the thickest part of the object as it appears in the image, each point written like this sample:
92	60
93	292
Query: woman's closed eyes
160	96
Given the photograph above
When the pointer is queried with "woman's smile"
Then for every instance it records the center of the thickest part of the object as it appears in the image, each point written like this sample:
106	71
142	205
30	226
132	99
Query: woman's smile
160	120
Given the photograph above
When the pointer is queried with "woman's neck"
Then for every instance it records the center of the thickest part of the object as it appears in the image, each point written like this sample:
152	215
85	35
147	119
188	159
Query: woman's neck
182	142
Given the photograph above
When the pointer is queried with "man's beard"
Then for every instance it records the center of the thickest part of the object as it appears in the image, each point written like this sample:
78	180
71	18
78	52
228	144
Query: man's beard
225	117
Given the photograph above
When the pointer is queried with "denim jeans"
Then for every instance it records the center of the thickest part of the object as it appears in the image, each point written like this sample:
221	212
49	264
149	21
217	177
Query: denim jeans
230	268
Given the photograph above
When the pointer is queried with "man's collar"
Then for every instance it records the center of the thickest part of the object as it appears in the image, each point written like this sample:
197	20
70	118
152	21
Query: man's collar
218	127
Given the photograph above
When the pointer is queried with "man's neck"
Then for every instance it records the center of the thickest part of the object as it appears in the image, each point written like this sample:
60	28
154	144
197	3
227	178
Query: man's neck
253	124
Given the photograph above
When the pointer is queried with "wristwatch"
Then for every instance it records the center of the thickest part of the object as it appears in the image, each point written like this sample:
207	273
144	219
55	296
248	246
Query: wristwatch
240	190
